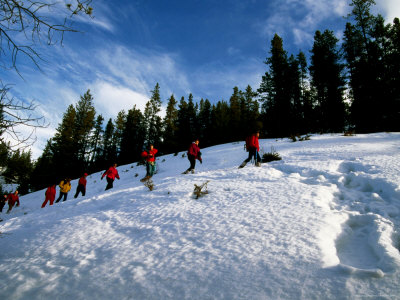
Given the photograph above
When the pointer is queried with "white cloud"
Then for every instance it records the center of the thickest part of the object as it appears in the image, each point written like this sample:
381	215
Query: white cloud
140	70
110	99
390	9
298	19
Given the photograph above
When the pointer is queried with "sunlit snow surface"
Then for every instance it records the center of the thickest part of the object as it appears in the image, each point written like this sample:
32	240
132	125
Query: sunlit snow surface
322	223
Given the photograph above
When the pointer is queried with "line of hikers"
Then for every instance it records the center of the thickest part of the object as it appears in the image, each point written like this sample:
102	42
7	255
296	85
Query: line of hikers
193	154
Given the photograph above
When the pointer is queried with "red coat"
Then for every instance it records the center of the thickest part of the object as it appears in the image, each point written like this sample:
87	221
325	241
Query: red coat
194	150
252	142
150	155
51	192
12	198
111	173
82	181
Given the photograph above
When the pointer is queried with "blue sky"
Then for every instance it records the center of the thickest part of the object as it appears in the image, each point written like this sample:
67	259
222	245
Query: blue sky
200	47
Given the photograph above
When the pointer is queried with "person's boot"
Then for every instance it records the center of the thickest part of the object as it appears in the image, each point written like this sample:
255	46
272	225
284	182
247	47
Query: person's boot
243	164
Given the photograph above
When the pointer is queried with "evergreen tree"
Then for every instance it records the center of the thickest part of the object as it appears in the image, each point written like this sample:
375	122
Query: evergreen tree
45	172
295	107
19	169
220	122
109	153
183	124
132	136
119	128
328	81
205	123
63	145
250	112
192	117
235	115
391	74
307	101
84	122
96	142
274	92
170	139
153	120
364	60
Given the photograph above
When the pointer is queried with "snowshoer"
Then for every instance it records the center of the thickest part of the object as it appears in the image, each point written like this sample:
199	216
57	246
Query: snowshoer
253	147
150	157
65	187
50	195
81	188
193	154
3	201
12	198
111	174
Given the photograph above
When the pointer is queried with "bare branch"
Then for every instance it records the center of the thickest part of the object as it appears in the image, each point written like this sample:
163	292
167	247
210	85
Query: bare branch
24	17
14	114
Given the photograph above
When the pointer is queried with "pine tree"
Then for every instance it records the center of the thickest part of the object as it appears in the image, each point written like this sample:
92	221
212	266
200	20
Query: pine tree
170	139
84	122
388	37
235	115
96	142
328	81
205	123
109	153
119	128
308	117
274	92
220	122
192	117
63	145
45	172
132	136
364	60
250	112
153	120
183	124
19	169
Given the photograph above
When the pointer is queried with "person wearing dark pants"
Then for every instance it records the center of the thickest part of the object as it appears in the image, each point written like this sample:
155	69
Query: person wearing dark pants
65	187
111	174
81	188
252	146
193	154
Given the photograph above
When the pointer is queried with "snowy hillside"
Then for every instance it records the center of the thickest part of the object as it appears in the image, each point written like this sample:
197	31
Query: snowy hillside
323	223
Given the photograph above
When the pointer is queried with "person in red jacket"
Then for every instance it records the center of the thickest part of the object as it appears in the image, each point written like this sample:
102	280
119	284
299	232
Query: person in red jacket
81	188
150	157
50	195
12	198
111	173
253	147
193	154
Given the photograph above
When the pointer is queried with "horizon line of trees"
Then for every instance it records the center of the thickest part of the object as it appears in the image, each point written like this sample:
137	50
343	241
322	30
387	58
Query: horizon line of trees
350	87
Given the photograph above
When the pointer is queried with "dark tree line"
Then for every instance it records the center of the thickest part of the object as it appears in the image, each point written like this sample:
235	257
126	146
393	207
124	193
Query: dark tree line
298	99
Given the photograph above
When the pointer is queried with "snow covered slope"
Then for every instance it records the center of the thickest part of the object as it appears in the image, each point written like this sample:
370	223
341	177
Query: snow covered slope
323	223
